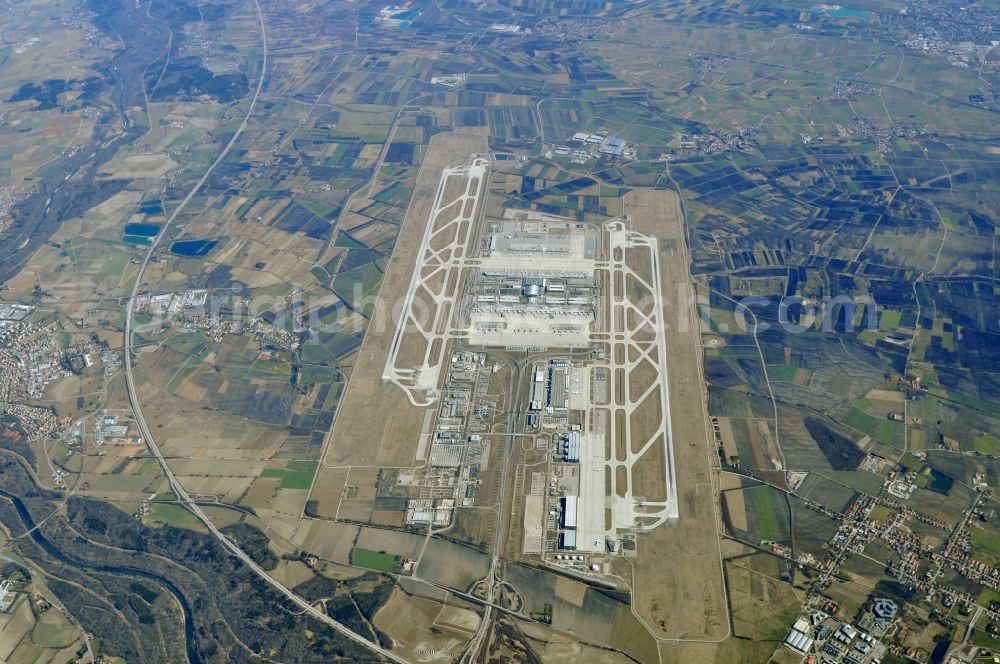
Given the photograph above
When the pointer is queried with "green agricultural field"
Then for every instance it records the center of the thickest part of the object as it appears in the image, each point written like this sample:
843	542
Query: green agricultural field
333	397
781	372
296	479
321	275
358	285
863	481
272	367
767	521
986	444
175	515
186	342
885	431
298	474
981	637
858	420
318	373
113	265
188	368
50	635
374	560
986	545
770	514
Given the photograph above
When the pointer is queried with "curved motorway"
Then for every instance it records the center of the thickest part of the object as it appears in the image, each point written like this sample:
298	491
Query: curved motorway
182	495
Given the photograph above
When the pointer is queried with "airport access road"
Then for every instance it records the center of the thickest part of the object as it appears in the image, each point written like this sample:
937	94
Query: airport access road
502	523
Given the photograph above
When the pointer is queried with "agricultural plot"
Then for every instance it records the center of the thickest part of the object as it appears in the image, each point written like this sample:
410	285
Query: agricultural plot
939	496
826	492
374	560
554	646
761	605
27	636
573	605
452	565
759	514
811	529
419	624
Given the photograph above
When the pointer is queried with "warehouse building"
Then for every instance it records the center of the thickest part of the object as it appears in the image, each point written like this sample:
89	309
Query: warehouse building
798	639
569	512
571	447
567	540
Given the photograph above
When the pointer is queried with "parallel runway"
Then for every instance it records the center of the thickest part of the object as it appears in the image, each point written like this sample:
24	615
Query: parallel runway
435	279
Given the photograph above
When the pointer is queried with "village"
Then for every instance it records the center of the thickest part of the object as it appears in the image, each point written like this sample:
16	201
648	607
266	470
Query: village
34	356
831	637
30	359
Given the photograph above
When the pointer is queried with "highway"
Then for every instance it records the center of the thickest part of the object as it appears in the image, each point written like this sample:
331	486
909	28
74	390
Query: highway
182	495
493	577
502	529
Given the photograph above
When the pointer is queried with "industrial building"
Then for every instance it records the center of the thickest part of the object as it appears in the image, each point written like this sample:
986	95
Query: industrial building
798	638
555	394
7	596
531	287
571	447
614	146
568	517
424	511
14	312
447	455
